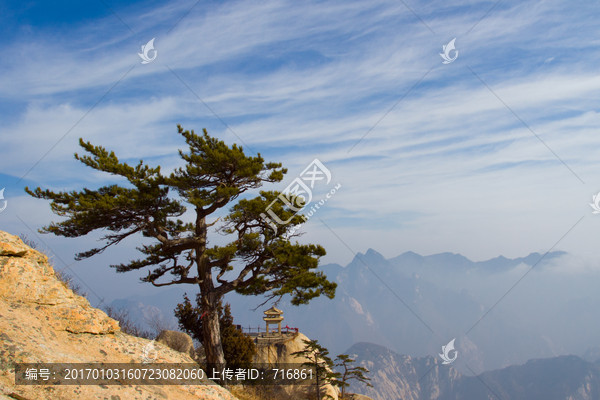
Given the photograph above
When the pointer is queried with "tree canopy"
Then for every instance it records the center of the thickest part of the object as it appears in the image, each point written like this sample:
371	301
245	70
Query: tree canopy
257	260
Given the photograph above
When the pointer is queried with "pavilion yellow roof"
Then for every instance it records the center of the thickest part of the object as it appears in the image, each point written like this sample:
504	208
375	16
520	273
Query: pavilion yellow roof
273	310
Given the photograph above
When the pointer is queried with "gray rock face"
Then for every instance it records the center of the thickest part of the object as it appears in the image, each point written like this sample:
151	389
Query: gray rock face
396	376
178	341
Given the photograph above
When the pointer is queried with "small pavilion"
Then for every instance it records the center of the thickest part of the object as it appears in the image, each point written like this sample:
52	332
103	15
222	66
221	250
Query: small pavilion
273	316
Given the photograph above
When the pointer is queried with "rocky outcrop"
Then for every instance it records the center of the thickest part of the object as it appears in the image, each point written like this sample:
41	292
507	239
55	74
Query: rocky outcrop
278	352
178	341
27	279
41	320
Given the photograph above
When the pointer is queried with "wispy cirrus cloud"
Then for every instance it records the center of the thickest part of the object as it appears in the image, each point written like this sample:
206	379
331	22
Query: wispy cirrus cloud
442	160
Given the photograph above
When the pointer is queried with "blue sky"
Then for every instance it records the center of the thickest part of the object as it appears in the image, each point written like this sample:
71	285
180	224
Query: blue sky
494	153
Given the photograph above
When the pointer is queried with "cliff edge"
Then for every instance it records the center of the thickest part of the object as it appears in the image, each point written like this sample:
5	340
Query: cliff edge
279	353
42	320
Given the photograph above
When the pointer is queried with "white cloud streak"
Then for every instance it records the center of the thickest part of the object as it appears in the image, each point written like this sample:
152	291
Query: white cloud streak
299	81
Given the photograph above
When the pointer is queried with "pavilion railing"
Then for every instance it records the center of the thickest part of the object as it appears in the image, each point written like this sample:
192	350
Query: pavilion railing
258	330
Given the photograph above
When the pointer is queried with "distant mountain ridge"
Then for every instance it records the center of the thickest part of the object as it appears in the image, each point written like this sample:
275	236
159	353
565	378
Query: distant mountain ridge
403	377
400	302
411	262
414	304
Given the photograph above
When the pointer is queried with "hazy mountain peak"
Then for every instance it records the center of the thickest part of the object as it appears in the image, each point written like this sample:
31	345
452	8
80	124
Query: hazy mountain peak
371	257
370	348
371	253
536	257
449	257
409	255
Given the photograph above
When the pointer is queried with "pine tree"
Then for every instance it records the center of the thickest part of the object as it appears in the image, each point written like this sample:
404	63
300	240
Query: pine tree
151	204
317	358
239	349
350	372
189	318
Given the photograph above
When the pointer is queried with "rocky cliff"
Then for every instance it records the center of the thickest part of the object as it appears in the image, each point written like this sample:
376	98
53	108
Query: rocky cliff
396	376
41	320
278	352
